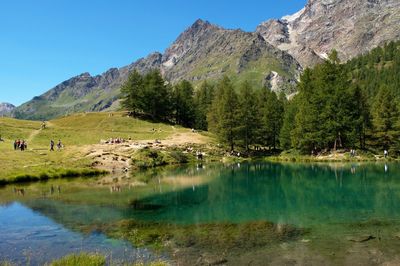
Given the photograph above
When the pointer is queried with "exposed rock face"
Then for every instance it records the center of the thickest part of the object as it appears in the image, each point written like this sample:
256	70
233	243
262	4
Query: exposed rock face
351	27
6	109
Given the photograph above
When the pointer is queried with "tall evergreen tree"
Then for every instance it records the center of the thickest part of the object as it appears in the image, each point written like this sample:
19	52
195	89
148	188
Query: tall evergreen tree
271	117
202	100
132	93
223	115
184	109
386	117
288	123
248	115
157	96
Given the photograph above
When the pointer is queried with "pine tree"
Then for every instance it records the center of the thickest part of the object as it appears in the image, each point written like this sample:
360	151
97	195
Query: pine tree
386	117
157	96
271	116
248	115
184	109
288	124
223	115
202	100
132	93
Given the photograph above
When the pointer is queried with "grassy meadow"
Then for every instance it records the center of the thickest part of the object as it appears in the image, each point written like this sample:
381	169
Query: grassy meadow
76	132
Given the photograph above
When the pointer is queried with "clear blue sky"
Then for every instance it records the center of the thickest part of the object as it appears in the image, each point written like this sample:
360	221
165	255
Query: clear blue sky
45	42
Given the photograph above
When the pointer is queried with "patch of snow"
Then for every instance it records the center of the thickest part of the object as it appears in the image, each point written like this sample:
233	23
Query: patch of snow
323	56
170	62
274	81
291	18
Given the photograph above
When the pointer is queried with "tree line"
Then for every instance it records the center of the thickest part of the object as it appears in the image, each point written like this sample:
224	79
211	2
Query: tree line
240	116
352	105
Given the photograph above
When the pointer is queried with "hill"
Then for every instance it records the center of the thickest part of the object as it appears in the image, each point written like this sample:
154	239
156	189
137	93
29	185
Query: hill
83	136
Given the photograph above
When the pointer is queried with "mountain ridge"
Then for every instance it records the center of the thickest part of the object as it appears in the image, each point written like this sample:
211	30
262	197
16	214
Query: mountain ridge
273	55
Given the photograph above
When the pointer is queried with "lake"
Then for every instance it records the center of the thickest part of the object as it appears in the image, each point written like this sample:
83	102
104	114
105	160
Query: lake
313	214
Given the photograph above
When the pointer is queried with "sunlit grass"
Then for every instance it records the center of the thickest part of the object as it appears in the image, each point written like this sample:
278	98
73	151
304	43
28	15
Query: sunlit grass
75	132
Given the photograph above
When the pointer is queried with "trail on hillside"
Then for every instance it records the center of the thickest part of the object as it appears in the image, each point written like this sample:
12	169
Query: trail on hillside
37	132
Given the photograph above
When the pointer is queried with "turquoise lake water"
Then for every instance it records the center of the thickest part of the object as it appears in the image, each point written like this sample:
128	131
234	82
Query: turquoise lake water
333	201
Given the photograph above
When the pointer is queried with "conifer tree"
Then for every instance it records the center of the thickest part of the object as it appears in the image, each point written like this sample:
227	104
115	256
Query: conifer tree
248	115
184	109
385	115
132	93
223	115
271	116
202	100
157	96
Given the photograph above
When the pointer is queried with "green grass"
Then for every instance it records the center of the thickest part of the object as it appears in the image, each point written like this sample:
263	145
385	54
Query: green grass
296	156
82	259
77	132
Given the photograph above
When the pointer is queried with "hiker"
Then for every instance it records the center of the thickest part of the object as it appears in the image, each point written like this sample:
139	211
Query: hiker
385	153
22	145
59	145
51	145
199	155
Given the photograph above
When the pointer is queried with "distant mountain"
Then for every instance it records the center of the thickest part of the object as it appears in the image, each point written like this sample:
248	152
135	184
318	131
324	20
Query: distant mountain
352	27
273	56
6	109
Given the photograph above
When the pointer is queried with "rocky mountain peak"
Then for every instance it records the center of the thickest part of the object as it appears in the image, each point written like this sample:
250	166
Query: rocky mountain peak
6	109
351	27
191	37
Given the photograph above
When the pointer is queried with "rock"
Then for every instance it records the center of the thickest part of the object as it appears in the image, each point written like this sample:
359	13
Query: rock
362	239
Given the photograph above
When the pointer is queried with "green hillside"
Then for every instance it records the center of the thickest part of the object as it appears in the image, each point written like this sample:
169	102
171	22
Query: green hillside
77	133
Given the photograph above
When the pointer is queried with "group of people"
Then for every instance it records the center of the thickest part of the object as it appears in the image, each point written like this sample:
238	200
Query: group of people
59	145
20	145
116	141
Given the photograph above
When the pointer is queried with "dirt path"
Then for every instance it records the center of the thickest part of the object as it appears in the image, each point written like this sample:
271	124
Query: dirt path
37	132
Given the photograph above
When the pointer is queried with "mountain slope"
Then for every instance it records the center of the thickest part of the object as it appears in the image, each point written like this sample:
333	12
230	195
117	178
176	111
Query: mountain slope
203	51
6	109
352	27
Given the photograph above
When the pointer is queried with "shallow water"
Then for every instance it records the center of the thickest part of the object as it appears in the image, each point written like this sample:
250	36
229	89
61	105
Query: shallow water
29	238
336	202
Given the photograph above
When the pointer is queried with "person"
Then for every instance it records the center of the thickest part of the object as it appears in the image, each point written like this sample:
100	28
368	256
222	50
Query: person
59	145
385	153
22	145
51	145
15	145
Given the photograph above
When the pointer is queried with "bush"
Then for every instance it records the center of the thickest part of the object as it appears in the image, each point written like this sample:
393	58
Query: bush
179	156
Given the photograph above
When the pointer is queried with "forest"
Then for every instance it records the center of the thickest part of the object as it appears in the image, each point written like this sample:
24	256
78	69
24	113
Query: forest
351	105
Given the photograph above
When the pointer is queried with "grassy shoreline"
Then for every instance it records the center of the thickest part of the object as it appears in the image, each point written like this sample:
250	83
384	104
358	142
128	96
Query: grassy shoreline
64	173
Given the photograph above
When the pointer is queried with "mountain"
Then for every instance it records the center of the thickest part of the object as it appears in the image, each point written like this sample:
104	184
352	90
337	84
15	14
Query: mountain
274	55
352	27
6	109
203	51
